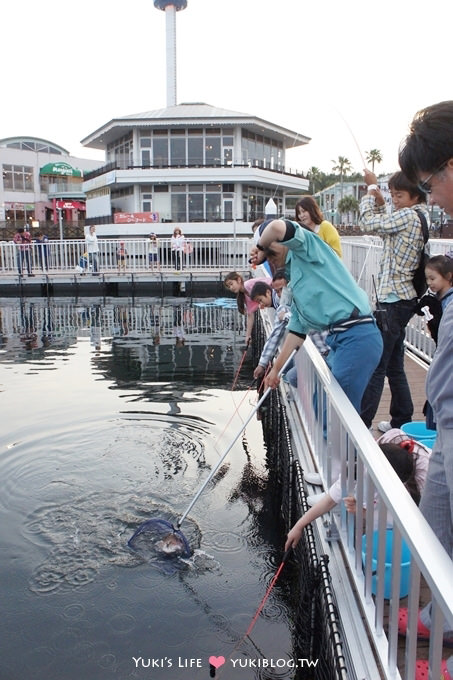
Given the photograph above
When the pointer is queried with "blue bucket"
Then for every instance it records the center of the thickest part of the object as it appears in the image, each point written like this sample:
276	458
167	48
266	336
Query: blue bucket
417	430
405	564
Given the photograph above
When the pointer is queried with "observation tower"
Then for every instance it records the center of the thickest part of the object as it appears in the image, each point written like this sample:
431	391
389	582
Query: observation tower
170	7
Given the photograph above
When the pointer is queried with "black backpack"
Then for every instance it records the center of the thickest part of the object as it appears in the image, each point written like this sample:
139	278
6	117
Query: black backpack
419	278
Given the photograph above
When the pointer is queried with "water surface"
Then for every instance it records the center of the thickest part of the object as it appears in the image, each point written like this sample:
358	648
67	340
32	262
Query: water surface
113	413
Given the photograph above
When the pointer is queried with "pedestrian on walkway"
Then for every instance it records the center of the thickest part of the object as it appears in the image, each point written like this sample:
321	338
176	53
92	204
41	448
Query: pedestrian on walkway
42	241
177	242
153	252
426	157
22	239
402	235
91	241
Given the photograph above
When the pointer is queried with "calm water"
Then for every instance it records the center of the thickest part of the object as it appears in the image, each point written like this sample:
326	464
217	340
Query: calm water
114	413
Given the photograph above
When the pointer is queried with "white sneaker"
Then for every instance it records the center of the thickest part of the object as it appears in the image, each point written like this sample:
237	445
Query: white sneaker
315	498
313	478
384	426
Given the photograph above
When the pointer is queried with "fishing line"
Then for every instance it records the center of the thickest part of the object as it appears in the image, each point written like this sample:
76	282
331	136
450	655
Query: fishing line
257	613
353	136
240	366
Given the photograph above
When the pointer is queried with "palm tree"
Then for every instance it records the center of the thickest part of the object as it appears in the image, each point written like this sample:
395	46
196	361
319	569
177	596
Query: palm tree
348	204
314	175
343	165
373	156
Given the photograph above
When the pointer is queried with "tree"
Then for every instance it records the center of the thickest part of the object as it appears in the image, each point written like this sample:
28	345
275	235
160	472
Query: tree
373	156
315	176
343	165
348	204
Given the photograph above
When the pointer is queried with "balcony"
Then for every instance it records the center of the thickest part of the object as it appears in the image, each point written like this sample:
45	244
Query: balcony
66	190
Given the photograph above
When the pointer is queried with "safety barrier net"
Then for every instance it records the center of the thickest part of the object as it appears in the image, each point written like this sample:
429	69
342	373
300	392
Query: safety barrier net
317	633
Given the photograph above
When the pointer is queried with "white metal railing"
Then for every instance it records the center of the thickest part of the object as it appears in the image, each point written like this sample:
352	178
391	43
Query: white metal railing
362	255
343	446
67	255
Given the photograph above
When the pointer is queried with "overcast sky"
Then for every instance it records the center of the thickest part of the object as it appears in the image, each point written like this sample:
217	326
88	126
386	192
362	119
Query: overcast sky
331	70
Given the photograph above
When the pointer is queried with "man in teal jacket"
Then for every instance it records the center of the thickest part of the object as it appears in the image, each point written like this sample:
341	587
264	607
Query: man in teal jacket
325	297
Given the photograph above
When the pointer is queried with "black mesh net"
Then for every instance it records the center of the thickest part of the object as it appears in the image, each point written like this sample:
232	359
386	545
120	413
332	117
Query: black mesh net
317	634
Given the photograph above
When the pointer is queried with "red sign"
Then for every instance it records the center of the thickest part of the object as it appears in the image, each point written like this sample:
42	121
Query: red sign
70	205
135	218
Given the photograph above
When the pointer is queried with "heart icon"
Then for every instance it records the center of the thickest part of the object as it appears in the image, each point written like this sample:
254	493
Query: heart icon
216	661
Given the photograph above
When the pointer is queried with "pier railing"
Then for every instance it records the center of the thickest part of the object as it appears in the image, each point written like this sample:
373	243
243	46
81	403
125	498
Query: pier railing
362	255
70	256
333	434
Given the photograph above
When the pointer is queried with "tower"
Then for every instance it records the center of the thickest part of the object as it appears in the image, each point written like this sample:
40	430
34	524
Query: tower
171	7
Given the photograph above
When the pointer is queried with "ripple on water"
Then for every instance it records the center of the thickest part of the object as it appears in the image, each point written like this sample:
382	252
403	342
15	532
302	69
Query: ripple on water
92	532
224	541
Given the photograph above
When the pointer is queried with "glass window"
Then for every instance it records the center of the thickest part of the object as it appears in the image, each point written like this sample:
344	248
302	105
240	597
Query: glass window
178	151
146	158
213	207
145	142
213	151
227	141
160	152
195	207
178	208
195	151
7	177
18	180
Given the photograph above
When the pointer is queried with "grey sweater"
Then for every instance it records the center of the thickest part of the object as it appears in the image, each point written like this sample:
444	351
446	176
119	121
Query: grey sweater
439	382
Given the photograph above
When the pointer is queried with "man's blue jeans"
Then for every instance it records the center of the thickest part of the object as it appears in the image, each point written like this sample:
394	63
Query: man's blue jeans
391	365
354	355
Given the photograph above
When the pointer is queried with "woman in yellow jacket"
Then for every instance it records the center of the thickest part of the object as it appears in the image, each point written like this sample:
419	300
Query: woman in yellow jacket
309	215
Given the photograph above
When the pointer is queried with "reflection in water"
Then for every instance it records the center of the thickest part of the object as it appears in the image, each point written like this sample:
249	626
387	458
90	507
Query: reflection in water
119	424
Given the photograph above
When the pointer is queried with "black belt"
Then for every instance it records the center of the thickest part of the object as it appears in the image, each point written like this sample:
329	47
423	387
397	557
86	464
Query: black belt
345	324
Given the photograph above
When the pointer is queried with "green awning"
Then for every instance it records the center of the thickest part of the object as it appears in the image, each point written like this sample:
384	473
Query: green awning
60	169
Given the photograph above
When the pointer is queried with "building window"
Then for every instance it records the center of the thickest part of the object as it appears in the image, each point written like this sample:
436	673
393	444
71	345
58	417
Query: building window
178	152
160	152
195	151
18	178
212	149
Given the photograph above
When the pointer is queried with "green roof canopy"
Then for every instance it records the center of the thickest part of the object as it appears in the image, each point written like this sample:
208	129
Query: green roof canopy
61	169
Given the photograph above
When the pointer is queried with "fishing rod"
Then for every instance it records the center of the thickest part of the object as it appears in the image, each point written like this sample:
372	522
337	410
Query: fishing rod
224	455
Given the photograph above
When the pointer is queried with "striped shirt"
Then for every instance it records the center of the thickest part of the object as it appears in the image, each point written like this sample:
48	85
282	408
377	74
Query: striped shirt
401	232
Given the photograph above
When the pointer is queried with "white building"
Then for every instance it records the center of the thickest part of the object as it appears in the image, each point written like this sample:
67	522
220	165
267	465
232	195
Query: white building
39	178
210	171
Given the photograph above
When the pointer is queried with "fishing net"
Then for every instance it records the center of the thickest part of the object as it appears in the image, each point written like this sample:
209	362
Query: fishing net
160	544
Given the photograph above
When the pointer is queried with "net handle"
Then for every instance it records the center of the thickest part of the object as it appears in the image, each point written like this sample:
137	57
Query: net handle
224	455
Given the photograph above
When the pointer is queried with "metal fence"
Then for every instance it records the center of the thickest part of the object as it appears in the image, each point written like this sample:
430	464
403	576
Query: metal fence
342	446
362	256
70	256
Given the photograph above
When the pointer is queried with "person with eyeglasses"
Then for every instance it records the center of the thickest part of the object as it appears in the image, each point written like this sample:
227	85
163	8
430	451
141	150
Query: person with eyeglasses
402	235
426	157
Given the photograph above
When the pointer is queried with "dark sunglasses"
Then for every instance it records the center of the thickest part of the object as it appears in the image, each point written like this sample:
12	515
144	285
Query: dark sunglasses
425	186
